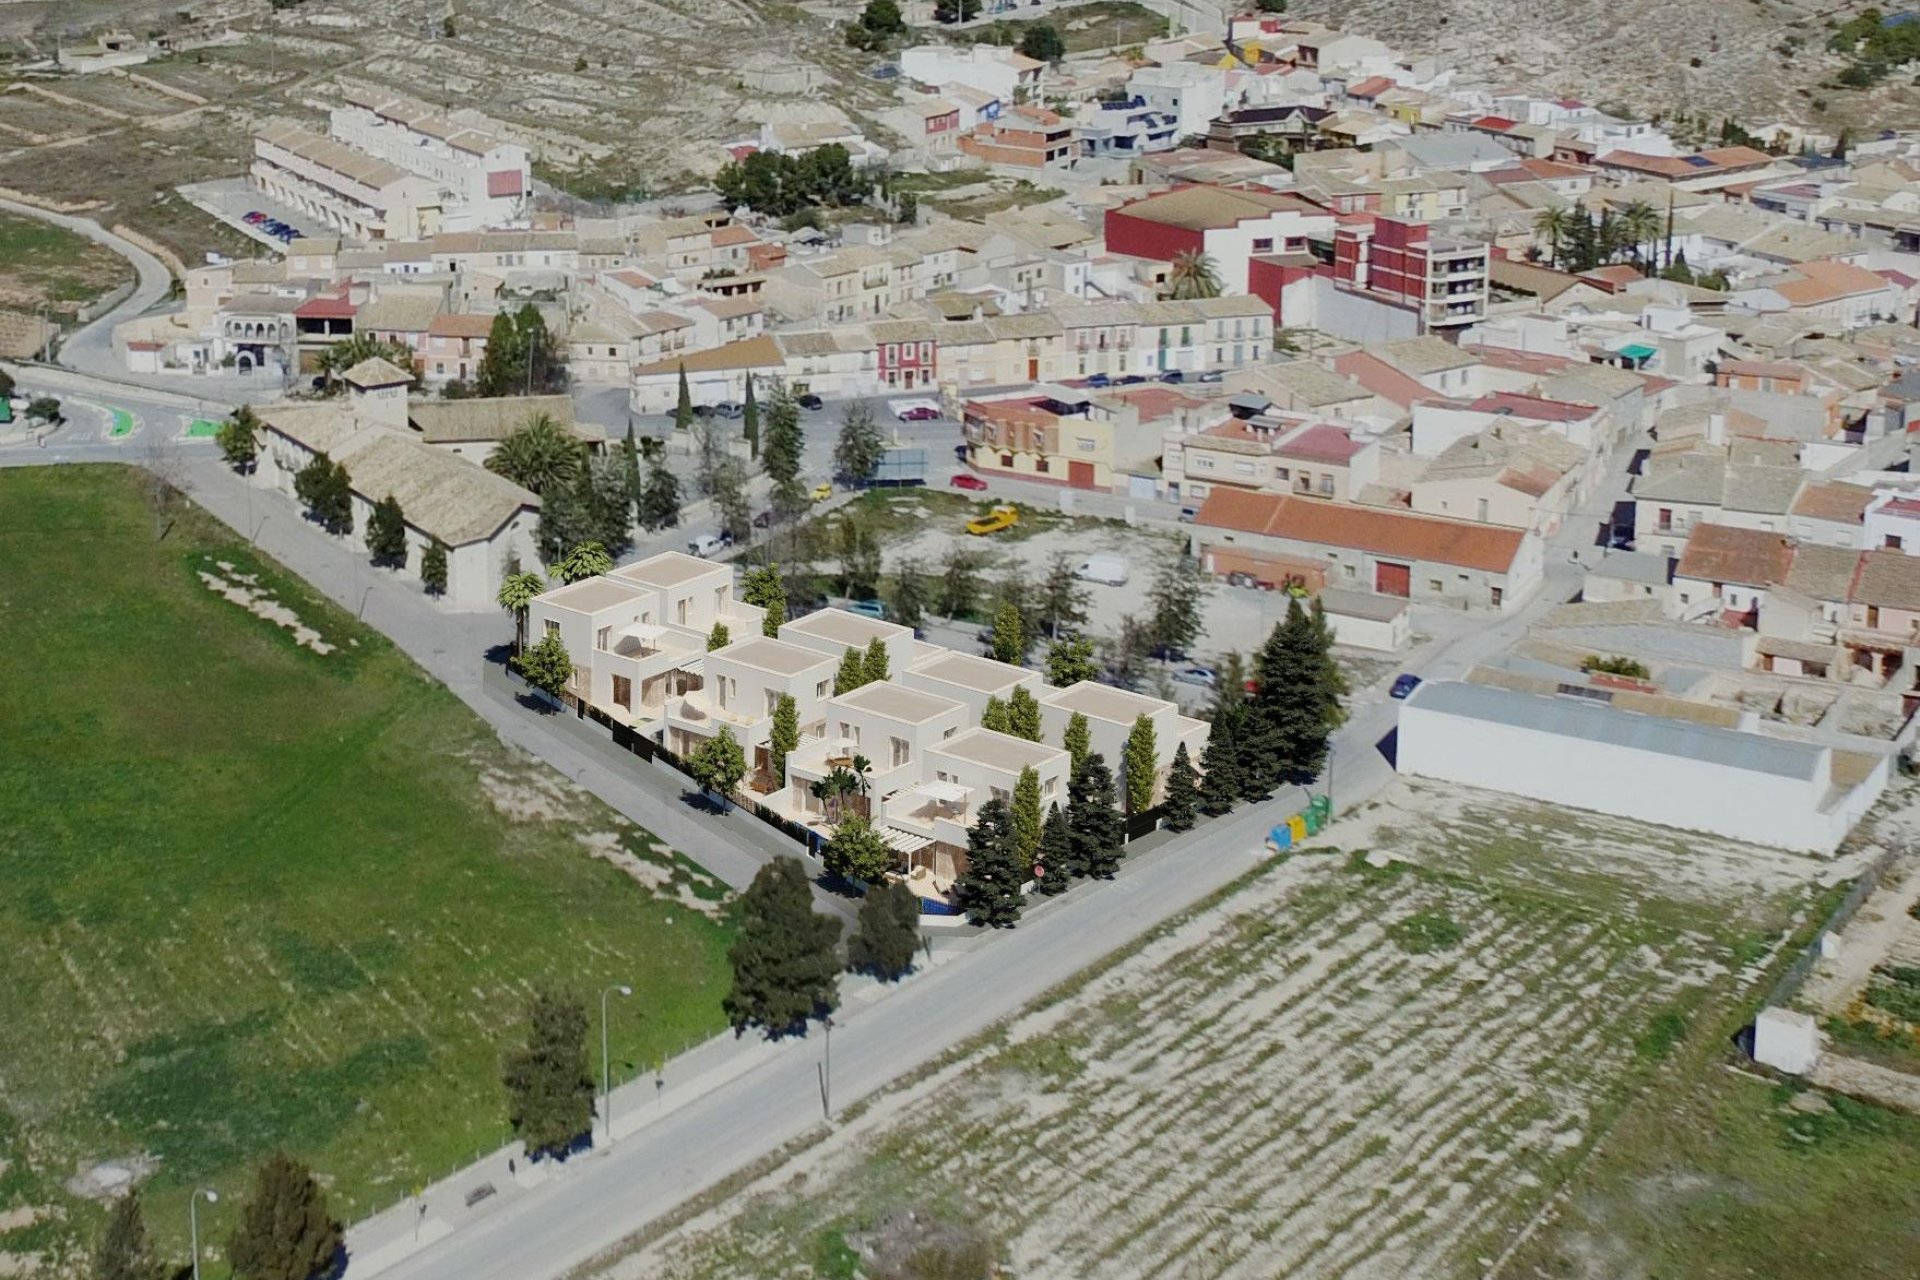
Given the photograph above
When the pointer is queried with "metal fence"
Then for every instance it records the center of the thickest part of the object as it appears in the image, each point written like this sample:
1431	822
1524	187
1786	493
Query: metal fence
1790	982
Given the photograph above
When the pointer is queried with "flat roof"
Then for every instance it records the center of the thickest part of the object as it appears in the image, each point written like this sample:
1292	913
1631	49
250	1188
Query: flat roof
669	569
982	675
590	594
1001	750
1597	722
884	697
776	656
842	627
1104	702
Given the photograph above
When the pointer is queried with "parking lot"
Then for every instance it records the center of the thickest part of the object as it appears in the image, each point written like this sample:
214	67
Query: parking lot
231	200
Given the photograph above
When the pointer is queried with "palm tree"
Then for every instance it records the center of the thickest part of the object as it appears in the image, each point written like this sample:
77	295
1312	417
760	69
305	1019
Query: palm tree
1193	276
1553	225
587	560
517	591
1639	225
540	455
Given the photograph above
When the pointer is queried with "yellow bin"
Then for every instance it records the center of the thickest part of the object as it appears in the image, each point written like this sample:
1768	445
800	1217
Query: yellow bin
1297	825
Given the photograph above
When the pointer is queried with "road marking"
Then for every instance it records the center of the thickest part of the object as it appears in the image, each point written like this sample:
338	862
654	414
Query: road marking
201	429
123	423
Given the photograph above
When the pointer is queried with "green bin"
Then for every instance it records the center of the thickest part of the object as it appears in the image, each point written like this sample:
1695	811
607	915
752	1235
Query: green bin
1319	813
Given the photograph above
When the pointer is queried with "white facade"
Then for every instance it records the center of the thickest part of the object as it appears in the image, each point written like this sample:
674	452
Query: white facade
985	67
484	180
1676	773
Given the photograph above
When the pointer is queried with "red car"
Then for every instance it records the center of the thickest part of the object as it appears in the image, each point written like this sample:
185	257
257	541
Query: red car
965	481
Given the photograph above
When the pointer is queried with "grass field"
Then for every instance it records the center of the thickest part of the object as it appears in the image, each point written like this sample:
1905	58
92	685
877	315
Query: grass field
257	895
1353	1066
40	262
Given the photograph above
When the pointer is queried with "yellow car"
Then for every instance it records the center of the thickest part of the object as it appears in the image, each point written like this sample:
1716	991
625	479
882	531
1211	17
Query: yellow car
994	521
821	492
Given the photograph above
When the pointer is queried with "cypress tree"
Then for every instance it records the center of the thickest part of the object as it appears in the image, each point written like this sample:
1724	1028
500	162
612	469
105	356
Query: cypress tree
1183	792
784	967
125	1251
876	666
683	407
285	1232
1055	858
990	889
762	588
387	532
1098	828
433	568
630	468
549	1088
1078	739
852	673
994	715
783	737
887	934
750	421
1139	759
1026	815
1023	714
1009	644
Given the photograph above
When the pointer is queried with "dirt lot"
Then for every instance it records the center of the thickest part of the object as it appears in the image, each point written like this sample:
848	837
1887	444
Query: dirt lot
1354	1066
40	263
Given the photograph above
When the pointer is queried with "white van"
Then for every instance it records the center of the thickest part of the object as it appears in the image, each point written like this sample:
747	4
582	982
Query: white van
1105	567
709	543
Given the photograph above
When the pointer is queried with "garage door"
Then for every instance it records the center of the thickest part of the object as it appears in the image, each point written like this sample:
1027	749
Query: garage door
1392	579
1080	475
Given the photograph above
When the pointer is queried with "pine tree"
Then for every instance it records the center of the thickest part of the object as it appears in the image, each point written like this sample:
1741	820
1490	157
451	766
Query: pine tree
990	890
387	533
719	637
1078	739
630	469
125	1251
852	673
1071	661
1023	714
1025	815
783	737
1098	829
659	503
1296	703
876	665
887	933
1055	860
763	589
1009	645
433	568
784	967
856	851
1183	792
1175	599
285	1232
549	1087
1139	764
994	715
1221	782
750	421
858	452
909	597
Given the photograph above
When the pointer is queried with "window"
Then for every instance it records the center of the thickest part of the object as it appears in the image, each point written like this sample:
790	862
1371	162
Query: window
820	690
1893	542
1263	244
1281	473
1001	794
1201	462
1083	443
1433	585
553	628
1243	468
943	737
1326	484
773	700
902	752
601	640
1497	596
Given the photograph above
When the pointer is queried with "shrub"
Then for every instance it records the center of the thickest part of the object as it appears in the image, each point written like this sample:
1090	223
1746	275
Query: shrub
1425	932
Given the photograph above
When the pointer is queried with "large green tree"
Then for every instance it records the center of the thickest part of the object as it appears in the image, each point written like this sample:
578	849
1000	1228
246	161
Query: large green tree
659	504
989	891
586	560
1043	43
783	451
125	1251
387	533
959	586
857	453
876	666
1176	596
784	967
1139	764
1055	862
1063	595
285	1231
718	764
546	665
856	851
1098	828
908	599
521	357
1223	781
852	672
549	1086
763	588
1296	702
1077	738
1070	661
886	933
1009	639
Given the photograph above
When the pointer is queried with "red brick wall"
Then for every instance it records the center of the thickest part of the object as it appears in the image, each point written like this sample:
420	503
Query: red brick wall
1142	238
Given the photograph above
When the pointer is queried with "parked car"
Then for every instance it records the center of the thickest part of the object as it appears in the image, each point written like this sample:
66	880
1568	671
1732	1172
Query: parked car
709	543
1173	375
822	491
730	409
1131	380
254	218
764	520
920	413
1205	677
1189	514
868	608
1212	375
1104	566
970	482
810	401
1167	653
960	453
994	521
1099	380
1403	684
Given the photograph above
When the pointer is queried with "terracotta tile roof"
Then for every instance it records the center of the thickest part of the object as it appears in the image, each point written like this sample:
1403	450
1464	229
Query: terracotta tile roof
461	325
1817	282
1383	533
1532	408
1840	503
1724	553
1321	443
1888	578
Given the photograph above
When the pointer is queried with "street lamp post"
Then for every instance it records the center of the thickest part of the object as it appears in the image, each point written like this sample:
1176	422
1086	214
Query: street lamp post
606	1063
826	1072
193	1222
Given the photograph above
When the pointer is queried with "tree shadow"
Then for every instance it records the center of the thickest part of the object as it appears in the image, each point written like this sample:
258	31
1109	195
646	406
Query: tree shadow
534	702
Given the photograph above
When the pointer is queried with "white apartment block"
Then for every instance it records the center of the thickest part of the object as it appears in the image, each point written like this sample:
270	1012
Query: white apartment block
987	68
483	180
